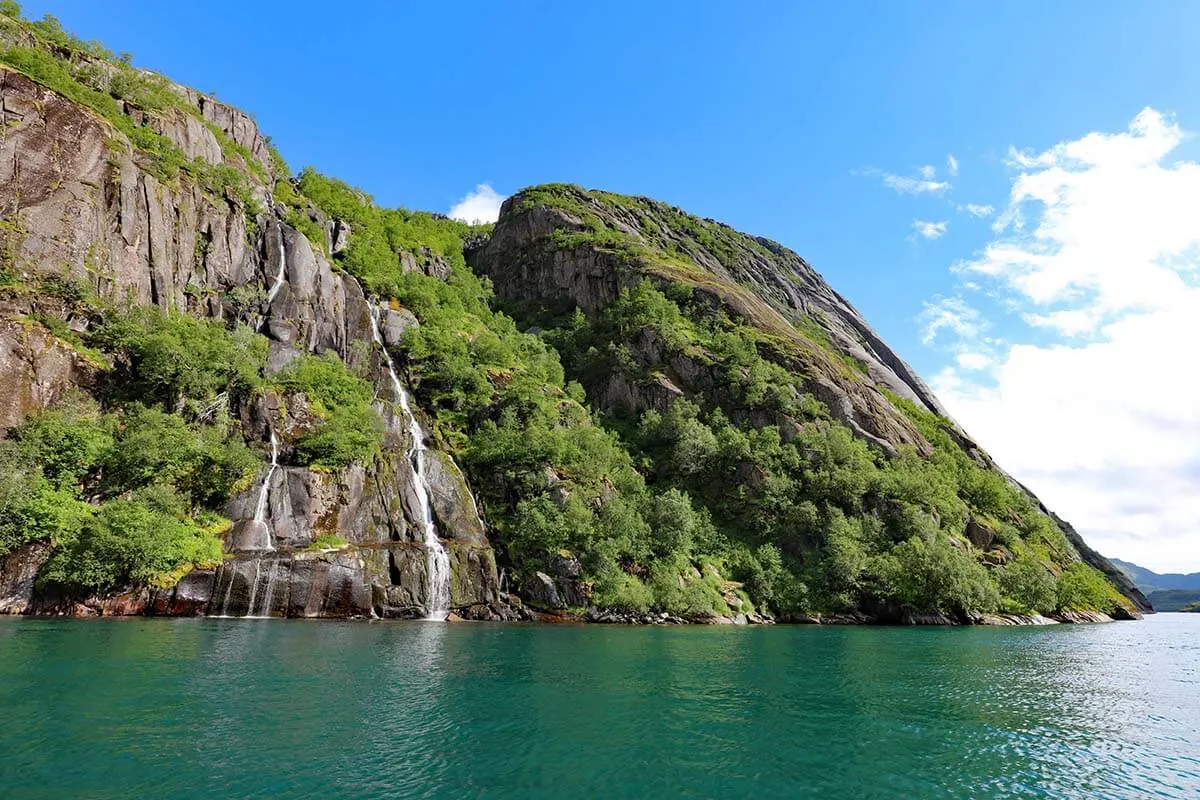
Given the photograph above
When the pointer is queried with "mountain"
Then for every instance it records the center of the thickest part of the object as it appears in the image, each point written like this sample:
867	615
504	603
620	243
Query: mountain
231	389
1170	592
1148	581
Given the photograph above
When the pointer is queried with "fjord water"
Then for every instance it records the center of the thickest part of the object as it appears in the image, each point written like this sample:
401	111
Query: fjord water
193	708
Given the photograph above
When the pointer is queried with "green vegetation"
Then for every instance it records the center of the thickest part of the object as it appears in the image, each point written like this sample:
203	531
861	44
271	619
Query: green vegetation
127	489
550	478
90	75
328	541
853	528
380	236
1082	588
1029	586
1174	599
347	428
804	515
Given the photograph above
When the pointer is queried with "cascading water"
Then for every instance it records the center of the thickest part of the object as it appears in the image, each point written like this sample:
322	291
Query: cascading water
264	543
264	495
279	274
437	560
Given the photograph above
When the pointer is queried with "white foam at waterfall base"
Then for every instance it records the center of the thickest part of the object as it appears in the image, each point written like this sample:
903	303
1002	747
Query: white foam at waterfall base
437	560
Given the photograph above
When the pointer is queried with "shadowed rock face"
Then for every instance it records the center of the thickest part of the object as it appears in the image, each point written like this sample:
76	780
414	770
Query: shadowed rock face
84	209
766	286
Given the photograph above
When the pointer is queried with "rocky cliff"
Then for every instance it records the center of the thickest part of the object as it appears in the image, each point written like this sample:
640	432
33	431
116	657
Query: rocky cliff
681	419
559	243
82	207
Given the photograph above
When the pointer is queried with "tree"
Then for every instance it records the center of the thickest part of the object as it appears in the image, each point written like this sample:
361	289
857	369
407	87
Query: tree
1029	584
933	575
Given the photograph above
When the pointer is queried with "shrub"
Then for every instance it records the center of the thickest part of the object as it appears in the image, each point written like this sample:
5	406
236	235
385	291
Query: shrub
178	361
936	576
68	442
127	541
349	429
1029	585
1082	588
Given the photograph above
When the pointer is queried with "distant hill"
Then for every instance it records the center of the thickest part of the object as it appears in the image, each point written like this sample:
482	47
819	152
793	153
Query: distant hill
1175	599
1149	581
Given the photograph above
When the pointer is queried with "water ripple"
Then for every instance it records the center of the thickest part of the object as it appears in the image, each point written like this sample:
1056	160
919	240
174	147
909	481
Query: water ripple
270	709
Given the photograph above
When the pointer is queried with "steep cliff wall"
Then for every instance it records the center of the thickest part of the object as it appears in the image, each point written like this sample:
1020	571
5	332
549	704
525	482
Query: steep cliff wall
81	208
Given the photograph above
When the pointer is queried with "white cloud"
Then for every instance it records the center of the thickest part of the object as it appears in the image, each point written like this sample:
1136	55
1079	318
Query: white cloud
924	182
951	165
949	313
929	230
906	185
1100	252
977	210
481	205
974	361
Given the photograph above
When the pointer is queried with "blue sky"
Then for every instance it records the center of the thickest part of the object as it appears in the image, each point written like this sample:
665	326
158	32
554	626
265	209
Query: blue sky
787	119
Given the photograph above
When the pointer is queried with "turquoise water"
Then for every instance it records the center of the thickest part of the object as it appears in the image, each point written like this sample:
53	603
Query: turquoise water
145	708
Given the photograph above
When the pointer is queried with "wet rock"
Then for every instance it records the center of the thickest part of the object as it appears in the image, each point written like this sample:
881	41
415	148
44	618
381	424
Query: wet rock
845	619
453	505
1013	619
1081	617
1122	613
188	598
18	574
927	618
541	589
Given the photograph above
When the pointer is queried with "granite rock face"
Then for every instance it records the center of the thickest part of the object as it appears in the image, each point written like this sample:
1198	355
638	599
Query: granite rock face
80	205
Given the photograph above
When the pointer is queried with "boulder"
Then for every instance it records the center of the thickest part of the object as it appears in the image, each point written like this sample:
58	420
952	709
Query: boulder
979	534
541	590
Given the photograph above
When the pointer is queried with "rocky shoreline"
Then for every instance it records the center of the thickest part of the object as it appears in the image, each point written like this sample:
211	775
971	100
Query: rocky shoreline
330	585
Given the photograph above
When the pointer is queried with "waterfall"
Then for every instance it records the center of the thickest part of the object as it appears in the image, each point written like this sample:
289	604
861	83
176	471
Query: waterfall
253	588
279	274
279	278
437	560
264	612
228	594
264	494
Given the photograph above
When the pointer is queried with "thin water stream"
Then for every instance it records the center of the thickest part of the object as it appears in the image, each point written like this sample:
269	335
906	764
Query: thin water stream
437	604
